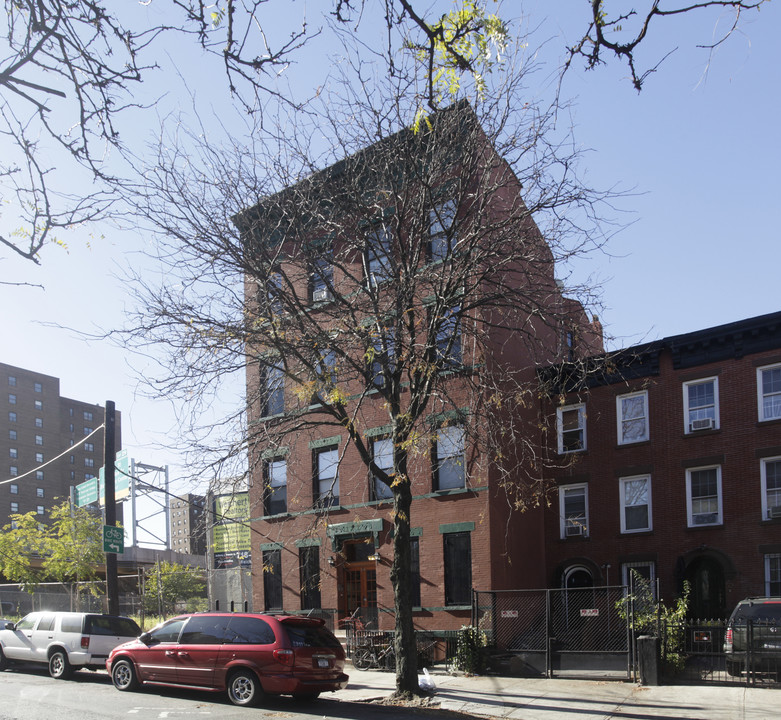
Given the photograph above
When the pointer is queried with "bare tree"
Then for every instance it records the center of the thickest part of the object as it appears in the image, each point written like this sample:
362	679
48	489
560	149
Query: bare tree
362	273
620	34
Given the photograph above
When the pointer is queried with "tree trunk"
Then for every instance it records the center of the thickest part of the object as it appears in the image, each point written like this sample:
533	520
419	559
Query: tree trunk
406	646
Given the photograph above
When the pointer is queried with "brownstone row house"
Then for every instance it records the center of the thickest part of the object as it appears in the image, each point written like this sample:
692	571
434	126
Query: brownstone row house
401	302
678	468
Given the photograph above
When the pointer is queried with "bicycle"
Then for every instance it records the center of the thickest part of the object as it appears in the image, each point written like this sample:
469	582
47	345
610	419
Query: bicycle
372	656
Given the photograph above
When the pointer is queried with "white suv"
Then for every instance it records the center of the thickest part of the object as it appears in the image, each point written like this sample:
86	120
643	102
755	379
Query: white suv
65	641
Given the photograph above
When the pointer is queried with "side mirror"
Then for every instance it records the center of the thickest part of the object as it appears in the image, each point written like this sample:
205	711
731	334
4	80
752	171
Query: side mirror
9	626
145	638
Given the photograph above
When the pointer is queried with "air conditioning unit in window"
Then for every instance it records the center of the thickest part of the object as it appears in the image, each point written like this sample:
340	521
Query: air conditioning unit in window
702	424
775	512
573	530
321	295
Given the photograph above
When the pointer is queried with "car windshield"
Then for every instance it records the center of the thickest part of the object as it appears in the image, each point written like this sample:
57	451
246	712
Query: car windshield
767	611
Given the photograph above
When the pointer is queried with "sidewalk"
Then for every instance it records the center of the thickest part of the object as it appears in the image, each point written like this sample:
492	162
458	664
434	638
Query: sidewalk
556	699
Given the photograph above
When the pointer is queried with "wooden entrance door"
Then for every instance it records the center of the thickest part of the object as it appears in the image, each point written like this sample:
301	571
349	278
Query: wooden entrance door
360	582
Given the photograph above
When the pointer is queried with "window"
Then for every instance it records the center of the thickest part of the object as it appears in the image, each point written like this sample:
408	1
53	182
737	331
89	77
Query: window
272	579
39	422
276	486
14	489
573	510
89	462
39	510
770	473
12	434
571	427
88	416
458	568
205	630
88	431
273	379
632	414
11	399
39	474
14	507
326	479
38	405
39	439
378	255
70	428
383	355
640	581
769	392
14	470
701	405
11	417
39	492
449	338
442	233
414	572
13	452
325	370
773	575
703	496
89	447
449	470
382	455
321	278
37	387
635	498
39	457
309	570
12	381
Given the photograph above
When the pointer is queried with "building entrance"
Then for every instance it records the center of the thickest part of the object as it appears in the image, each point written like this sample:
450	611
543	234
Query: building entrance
360	581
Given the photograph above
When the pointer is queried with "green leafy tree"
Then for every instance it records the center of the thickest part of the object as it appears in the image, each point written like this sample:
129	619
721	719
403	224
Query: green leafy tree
21	541
167	584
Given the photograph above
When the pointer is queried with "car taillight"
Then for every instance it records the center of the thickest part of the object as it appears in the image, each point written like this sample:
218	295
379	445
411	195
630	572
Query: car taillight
284	657
728	639
85	642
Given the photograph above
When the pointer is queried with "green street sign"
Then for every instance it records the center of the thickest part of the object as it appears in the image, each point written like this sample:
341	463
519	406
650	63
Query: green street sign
86	492
113	539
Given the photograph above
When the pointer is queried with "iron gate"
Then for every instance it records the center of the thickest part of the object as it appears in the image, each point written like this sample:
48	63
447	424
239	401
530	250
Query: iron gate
557	631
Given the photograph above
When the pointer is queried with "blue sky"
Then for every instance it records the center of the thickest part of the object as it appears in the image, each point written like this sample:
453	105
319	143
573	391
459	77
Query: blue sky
698	148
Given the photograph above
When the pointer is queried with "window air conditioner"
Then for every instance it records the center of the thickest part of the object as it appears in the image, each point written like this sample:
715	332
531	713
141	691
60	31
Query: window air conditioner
702	424
775	512
321	295
573	530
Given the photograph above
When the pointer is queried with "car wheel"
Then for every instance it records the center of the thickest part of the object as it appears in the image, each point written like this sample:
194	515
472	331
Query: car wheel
734	668
306	697
3	660
362	659
244	688
59	667
123	675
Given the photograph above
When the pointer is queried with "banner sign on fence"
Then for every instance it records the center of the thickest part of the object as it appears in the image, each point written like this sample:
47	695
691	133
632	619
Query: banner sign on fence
509	613
589	612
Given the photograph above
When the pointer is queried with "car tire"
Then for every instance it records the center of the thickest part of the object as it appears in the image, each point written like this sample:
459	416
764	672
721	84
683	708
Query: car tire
734	669
362	659
123	675
3	661
306	697
59	666
244	688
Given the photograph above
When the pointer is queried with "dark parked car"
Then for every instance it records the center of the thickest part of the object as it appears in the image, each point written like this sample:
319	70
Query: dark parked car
754	632
247	655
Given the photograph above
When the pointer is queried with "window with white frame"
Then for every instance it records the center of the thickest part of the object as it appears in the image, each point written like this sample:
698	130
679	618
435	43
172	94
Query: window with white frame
382	455
275	498
573	510
769	392
701	405
449	470
703	496
632	414
635	497
773	574
378	255
442	234
449	337
321	276
326	462
770	474
273	389
571	428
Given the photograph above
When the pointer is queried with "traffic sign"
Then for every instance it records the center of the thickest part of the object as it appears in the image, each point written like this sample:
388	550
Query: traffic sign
113	539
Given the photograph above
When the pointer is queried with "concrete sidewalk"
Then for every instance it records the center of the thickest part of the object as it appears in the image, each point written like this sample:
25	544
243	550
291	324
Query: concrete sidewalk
556	699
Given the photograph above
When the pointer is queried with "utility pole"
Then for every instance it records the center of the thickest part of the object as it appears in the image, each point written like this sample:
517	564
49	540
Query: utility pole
109	458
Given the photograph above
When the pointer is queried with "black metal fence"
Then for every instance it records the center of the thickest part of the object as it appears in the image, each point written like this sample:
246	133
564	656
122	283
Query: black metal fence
434	647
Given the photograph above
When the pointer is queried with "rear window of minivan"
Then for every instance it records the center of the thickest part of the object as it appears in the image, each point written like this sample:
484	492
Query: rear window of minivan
768	611
308	636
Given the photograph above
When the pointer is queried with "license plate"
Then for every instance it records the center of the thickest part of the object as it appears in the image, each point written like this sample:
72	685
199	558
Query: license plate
322	663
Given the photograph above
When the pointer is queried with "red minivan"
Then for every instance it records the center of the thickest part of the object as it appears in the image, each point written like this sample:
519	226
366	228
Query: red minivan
246	654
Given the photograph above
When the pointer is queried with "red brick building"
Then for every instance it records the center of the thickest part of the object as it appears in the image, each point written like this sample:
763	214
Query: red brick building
321	285
677	469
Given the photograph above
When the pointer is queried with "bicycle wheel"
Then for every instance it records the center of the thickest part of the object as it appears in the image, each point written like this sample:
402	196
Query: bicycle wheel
363	658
